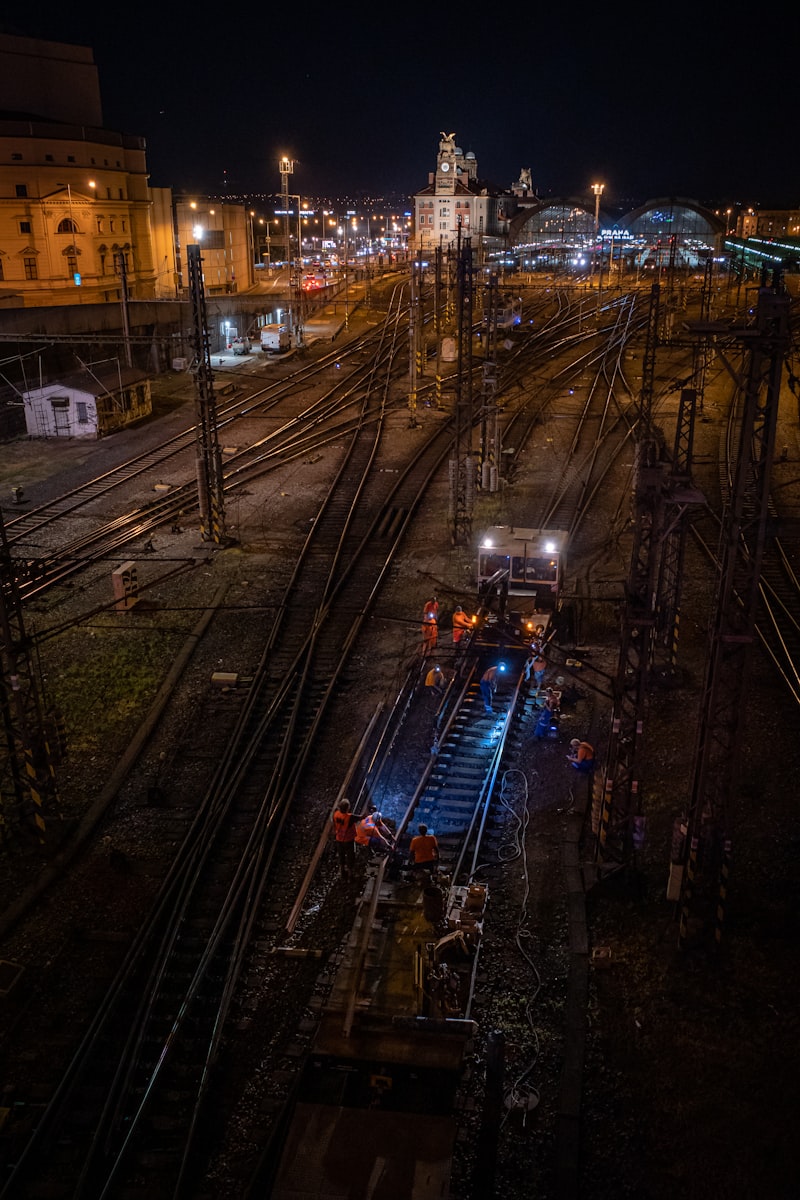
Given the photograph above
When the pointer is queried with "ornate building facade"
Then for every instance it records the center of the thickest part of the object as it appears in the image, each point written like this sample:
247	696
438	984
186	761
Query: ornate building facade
456	202
75	209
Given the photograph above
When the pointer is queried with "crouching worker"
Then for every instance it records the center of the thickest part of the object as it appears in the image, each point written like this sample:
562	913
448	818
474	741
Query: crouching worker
581	755
423	853
372	836
435	681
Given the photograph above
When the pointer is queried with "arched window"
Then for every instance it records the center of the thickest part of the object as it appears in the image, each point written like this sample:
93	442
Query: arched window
67	226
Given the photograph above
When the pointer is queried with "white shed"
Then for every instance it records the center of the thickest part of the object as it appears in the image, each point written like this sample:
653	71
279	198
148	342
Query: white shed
89	403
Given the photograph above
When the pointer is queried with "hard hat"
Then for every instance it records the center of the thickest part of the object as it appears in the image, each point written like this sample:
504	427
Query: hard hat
344	805
575	741
459	608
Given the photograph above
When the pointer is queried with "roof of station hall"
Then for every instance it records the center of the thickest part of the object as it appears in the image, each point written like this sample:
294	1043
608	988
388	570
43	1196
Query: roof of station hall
665	211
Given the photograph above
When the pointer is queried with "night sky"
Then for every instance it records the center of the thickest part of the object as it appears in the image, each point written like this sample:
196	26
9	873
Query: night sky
651	100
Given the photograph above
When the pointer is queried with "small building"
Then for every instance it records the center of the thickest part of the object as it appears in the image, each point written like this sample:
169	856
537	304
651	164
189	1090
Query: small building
88	404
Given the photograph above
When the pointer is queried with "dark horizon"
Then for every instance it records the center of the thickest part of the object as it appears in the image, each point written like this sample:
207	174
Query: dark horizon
359	105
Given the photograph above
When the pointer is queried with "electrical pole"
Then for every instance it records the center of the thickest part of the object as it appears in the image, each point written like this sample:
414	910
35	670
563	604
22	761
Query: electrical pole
462	464
210	485
490	423
415	318
122	271
704	861
621	822
28	775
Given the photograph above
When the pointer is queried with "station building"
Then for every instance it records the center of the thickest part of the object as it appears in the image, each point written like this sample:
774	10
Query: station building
78	219
515	229
456	203
75	209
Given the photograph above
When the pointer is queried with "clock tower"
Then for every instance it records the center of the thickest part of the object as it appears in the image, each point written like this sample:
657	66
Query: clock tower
446	164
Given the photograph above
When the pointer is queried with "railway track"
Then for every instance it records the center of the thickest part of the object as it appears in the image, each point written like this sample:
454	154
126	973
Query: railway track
176	985
394	996
163	1056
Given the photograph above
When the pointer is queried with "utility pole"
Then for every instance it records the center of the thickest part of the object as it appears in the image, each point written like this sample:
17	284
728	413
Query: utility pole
462	464
438	321
621	822
680	499
490	448
704	860
122	271
210	484
415	355
28	775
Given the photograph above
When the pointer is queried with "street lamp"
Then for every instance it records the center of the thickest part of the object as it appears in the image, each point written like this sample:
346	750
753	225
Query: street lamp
76	279
598	189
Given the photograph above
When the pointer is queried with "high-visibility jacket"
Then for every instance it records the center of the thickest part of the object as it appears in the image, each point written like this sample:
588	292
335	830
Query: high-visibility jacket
461	623
430	632
366	830
424	848
344	826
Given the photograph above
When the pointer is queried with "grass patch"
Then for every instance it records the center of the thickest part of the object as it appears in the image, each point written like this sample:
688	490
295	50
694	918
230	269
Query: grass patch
104	679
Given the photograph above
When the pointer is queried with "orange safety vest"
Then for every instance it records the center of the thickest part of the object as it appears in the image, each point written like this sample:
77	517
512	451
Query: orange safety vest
461	623
366	830
424	848
344	826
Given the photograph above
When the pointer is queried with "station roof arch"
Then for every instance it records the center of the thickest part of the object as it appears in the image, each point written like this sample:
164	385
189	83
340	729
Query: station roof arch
568	220
676	215
557	220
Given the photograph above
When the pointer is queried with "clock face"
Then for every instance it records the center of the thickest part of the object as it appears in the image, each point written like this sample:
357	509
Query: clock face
445	166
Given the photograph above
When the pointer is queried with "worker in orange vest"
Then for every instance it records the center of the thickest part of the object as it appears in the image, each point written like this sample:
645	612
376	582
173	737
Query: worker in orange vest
436	681
462	623
344	831
581	755
423	852
430	626
372	834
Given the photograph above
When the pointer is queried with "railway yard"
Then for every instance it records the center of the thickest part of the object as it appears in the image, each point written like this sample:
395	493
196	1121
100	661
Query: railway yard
193	1002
